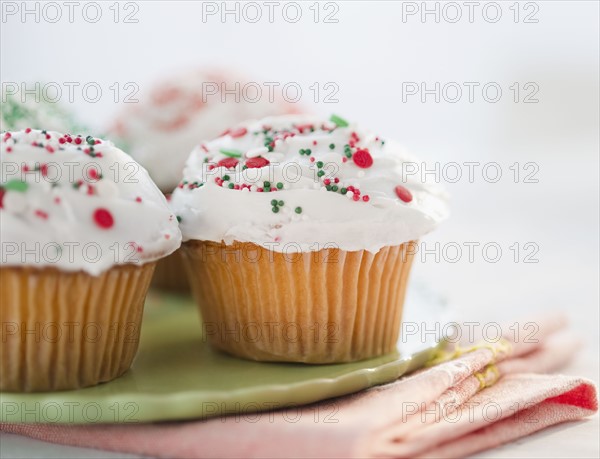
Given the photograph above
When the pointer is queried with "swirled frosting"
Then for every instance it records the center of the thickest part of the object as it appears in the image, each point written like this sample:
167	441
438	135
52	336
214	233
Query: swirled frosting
161	129
78	203
300	183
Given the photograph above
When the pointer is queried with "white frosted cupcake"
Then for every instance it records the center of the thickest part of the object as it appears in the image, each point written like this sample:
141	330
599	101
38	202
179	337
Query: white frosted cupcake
168	122
298	230
82	227
34	110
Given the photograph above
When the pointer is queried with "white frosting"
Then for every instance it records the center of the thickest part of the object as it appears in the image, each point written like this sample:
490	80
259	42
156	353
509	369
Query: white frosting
76	207
211	210
161	129
32	110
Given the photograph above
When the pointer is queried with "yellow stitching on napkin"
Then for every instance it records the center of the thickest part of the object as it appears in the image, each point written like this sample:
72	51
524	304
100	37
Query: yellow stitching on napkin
501	347
488	376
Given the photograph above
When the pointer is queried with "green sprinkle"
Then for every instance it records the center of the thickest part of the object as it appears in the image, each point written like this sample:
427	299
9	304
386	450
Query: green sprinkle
343	190
308	152
334	188
339	122
267	184
332	146
226	177
280	203
90	140
231	153
328	187
301	151
321	173
275	209
231	185
279	185
16	185
274	202
298	210
178	219
319	164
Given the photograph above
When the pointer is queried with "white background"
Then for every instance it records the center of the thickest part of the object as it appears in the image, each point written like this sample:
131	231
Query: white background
368	54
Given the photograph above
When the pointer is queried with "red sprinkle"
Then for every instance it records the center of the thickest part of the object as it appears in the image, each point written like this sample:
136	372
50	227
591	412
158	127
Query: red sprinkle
327	181
2	193
259	161
239	132
44	170
103	218
403	193
138	199
362	158
356	197
8	149
229	163
366	198
50	149
27	131
77	140
41	214
93	174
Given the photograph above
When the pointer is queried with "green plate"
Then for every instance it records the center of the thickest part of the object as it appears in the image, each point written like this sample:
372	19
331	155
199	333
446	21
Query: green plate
176	375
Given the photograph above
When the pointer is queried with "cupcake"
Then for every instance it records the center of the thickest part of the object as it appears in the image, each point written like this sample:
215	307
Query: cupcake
168	122
35	110
82	226
299	236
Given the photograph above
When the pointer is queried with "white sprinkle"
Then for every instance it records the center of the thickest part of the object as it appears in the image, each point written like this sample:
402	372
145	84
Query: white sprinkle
106	188
15	202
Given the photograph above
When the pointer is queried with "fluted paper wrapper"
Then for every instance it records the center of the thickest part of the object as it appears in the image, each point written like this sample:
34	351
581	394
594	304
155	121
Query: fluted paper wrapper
63	330
170	274
314	307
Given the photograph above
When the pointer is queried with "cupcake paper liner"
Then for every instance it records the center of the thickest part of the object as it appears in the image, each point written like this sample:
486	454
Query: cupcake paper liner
63	330
315	307
170	274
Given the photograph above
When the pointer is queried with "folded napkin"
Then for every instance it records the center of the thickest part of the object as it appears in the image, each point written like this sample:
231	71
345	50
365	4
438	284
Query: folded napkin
471	399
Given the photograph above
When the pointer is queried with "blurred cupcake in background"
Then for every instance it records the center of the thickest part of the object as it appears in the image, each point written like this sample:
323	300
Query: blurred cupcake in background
35	108
172	118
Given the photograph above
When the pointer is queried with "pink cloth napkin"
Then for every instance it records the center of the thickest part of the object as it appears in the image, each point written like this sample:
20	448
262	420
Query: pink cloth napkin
480	398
